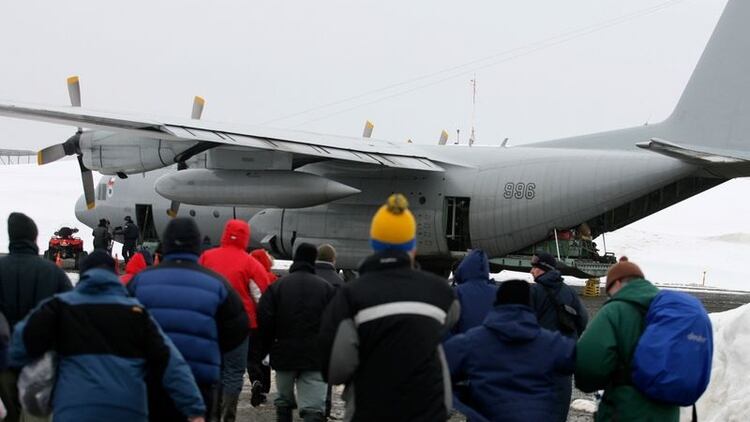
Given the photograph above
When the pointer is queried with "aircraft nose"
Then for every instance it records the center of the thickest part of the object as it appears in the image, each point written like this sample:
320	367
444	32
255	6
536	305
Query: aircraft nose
83	214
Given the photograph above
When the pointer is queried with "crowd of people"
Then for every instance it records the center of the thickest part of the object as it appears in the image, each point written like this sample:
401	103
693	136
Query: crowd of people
172	339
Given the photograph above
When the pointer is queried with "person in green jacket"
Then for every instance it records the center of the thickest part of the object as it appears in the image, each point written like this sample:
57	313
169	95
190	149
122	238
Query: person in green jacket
606	348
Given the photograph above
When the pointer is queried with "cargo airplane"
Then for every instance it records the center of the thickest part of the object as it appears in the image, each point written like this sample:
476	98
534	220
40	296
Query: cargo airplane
297	186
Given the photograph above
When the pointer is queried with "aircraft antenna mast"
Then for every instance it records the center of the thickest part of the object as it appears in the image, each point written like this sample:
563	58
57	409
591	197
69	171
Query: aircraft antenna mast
473	108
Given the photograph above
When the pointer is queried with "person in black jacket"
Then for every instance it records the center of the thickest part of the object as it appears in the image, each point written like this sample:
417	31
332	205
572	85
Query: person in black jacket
325	265
25	280
381	334
102	236
289	319
557	308
130	234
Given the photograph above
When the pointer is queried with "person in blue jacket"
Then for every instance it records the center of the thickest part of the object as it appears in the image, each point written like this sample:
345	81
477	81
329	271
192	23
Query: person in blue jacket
475	290
507	367
106	344
196	308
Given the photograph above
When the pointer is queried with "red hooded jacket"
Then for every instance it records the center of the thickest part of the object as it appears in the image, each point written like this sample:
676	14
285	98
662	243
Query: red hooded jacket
262	256
246	275
136	264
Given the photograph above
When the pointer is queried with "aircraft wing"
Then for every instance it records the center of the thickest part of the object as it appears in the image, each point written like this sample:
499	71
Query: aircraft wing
299	143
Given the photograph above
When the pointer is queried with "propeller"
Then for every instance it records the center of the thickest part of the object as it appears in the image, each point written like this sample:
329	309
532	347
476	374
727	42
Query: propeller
443	138
72	146
368	129
198	103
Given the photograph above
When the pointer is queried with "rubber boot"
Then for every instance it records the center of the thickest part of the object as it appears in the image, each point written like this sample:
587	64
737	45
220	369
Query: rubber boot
284	414
229	408
313	417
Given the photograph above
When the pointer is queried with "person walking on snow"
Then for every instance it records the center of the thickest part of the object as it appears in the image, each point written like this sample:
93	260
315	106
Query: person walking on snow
248	278
557	308
509	363
196	307
381	334
475	290
289	316
106	343
26	279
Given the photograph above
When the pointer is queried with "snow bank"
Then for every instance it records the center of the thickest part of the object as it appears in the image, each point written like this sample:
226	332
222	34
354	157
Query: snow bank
726	399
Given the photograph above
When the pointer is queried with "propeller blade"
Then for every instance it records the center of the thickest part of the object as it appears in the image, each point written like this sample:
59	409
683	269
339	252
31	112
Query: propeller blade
87	178
198	103
443	138
74	90
368	129
50	154
173	208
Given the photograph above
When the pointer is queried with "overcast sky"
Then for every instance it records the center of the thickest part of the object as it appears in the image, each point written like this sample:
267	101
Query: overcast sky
261	60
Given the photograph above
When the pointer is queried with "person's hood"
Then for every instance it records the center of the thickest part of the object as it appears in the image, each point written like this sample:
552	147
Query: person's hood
474	267
512	323
638	291
236	234
136	264
261	256
552	279
26	247
324	265
100	281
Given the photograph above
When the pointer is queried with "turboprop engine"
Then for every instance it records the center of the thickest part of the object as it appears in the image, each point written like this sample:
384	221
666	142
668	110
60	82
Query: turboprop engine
261	188
112	153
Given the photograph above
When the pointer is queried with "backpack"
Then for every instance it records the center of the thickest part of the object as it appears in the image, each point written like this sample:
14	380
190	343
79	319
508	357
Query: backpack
567	316
672	360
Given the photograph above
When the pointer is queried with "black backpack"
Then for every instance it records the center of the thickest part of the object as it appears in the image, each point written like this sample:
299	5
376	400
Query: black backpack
567	316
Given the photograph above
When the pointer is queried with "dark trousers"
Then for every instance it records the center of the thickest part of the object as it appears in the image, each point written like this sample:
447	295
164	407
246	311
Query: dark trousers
161	408
128	250
256	371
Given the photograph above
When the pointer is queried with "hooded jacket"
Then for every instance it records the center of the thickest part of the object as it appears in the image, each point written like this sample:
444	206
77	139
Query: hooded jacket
106	343
327	271
289	315
381	335
246	275
511	365
546	312
262	257
196	308
475	290
607	347
26	279
136	264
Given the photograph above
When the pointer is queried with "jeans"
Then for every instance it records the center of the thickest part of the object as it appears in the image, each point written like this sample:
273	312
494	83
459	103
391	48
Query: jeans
311	391
233	369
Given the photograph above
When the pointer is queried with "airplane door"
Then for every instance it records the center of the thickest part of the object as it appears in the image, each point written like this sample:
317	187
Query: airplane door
144	217
457	223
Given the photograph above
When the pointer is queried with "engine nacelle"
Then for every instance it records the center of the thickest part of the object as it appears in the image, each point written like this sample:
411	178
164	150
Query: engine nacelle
110	153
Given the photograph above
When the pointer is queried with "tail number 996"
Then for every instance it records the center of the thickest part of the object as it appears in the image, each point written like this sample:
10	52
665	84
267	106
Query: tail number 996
519	190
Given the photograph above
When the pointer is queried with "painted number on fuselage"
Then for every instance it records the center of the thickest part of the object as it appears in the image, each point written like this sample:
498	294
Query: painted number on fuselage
519	190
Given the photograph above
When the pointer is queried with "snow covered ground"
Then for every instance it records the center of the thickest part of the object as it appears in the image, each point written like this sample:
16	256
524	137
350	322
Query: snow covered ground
708	233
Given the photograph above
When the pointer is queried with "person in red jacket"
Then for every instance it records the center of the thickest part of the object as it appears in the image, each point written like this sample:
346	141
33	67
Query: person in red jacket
267	261
248	278
137	263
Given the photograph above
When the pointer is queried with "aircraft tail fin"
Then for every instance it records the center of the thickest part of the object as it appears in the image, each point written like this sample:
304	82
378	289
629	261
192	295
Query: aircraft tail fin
714	109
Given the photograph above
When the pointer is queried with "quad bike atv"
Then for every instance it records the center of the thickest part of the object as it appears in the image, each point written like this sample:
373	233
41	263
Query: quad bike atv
66	246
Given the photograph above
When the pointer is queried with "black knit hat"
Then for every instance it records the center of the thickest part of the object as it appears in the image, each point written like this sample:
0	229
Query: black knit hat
21	227
306	253
97	259
181	235
544	261
513	292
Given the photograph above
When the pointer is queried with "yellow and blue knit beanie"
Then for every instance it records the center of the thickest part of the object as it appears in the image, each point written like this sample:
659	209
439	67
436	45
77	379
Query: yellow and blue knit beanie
393	226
